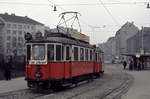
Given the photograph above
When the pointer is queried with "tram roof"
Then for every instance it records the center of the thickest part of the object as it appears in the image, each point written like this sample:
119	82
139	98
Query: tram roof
59	38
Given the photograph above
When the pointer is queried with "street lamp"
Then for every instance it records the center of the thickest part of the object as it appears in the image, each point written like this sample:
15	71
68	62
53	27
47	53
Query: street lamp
55	8
148	5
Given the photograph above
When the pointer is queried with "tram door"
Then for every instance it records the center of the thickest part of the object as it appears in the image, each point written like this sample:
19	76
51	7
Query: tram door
67	61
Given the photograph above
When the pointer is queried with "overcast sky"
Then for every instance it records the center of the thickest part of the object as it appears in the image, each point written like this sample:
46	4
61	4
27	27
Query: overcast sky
109	18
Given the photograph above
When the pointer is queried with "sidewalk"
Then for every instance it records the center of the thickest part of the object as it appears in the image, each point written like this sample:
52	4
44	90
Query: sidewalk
141	85
12	85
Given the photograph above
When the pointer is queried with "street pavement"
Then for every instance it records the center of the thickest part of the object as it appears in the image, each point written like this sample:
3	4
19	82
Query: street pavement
12	85
114	83
140	89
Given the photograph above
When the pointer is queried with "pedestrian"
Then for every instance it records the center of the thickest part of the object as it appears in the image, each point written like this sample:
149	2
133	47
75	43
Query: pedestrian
139	65
131	65
7	68
124	64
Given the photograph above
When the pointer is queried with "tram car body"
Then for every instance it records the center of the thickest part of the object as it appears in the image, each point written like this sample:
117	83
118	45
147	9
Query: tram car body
58	59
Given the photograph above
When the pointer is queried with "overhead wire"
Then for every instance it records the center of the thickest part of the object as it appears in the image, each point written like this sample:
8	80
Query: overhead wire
77	4
66	10
109	13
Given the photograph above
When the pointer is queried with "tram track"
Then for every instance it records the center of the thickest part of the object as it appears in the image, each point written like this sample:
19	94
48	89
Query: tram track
112	85
117	92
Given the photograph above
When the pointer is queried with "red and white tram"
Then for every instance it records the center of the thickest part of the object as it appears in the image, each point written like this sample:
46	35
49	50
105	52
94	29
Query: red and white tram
58	59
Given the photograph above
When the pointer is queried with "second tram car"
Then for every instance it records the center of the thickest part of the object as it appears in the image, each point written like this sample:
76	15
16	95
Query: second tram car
58	59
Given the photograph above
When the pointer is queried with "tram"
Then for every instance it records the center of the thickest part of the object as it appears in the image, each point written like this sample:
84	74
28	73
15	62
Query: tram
58	59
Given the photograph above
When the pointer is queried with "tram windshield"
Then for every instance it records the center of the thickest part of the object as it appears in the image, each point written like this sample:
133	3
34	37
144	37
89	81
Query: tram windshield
38	52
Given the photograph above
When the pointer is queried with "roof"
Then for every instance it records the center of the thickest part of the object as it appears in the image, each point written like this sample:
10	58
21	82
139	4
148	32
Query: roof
19	19
60	38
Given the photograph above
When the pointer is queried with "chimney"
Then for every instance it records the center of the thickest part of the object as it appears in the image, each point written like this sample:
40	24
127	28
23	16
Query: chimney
6	13
13	14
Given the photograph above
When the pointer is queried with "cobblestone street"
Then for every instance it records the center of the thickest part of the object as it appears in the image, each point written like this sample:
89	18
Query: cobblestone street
114	83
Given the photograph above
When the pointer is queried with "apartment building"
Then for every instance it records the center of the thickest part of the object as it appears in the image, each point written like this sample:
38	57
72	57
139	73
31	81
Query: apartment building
12	31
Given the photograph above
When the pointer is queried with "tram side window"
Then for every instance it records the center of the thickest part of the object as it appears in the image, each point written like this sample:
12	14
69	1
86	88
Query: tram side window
90	55
86	54
75	53
58	52
81	54
67	53
62	52
96	57
28	52
100	57
50	52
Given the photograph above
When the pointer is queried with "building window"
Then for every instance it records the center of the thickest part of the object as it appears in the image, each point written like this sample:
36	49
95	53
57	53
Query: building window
14	39
20	39
14	32
8	38
32	27
67	53
8	32
28	27
75	53
50	52
8	25
20	51
14	26
58	52
25	27
14	44
81	54
19	26
86	54
8	45
20	45
20	32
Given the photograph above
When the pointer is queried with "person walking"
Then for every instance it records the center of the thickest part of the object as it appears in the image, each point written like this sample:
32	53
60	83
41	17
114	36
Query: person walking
124	64
7	68
131	65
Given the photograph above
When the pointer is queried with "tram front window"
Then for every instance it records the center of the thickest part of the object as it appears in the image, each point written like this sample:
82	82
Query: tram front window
38	52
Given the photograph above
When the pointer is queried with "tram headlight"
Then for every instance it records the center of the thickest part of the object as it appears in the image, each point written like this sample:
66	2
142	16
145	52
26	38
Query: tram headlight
38	74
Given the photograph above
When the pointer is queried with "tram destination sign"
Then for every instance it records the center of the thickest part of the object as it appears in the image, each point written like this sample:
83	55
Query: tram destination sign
38	62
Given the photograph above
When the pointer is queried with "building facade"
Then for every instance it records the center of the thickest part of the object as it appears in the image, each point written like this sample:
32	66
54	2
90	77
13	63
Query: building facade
139	43
122	35
109	48
116	46
12	31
